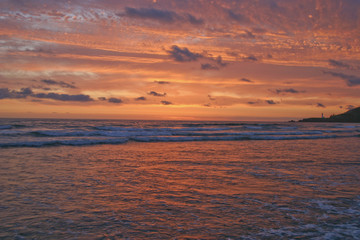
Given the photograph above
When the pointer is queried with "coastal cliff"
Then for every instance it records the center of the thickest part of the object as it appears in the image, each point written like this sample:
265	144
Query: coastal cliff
352	115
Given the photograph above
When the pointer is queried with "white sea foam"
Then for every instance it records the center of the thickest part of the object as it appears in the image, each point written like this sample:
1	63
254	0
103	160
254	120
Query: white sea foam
44	133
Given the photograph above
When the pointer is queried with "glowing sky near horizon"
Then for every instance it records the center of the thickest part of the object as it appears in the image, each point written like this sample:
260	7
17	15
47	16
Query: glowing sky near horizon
179	59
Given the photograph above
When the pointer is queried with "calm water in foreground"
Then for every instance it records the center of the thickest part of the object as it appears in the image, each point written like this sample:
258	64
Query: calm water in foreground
70	179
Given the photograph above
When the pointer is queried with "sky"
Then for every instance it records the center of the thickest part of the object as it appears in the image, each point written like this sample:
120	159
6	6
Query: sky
179	59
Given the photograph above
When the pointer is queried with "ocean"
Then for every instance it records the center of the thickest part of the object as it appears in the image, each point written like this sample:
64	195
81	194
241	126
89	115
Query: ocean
112	179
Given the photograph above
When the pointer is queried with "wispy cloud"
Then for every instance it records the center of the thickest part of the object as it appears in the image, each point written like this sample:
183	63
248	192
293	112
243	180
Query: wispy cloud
350	80
339	64
57	83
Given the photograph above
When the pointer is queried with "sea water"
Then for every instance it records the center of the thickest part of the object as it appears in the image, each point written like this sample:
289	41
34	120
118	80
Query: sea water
102	179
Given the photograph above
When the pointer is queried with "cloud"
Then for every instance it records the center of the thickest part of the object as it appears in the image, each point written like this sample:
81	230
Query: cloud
287	90
151	13
163	16
245	80
57	83
211	98
193	20
208	66
6	93
259	30
156	94
183	54
102	98
166	103
350	107
320	105
161	82
26	92
238	17
339	64
250	58
252	103
271	102
64	97
140	99
115	100
219	62
350	80
247	34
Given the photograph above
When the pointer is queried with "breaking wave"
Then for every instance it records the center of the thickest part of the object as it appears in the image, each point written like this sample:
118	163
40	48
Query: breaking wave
36	133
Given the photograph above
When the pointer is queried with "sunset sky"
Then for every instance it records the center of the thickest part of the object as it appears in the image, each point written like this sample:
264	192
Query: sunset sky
179	59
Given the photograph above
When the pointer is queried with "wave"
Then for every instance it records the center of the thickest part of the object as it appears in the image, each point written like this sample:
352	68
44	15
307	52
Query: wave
36	133
84	142
76	142
230	138
130	132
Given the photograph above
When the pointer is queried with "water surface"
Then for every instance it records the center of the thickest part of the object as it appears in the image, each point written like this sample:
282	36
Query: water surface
285	186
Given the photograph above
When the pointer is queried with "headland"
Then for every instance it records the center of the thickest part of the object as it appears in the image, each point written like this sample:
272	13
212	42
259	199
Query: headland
352	115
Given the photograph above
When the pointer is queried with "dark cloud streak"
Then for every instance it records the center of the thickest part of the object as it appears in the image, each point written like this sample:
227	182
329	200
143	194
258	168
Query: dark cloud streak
238	17
57	83
166	103
183	54
140	99
156	94
163	16
64	97
320	105
151	13
246	80
208	66
287	90
161	82
271	102
115	100
339	64
350	80
6	93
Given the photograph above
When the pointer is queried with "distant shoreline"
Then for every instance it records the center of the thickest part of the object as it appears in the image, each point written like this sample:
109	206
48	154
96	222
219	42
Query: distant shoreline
351	116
